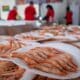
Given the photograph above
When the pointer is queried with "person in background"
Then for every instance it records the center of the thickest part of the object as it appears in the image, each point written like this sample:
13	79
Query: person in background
69	15
30	12
49	17
13	14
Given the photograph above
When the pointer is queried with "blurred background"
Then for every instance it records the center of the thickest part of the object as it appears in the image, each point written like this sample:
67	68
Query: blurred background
59	6
40	5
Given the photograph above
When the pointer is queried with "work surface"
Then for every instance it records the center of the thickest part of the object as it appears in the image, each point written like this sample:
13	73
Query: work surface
15	27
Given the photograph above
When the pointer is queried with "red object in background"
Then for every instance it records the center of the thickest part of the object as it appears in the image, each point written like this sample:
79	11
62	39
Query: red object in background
12	15
57	0
48	0
30	13
50	14
69	15
20	2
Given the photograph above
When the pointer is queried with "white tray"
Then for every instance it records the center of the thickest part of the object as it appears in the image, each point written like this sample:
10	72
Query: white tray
75	52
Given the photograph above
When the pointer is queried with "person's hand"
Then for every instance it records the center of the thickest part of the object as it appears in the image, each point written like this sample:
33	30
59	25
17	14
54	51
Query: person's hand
19	17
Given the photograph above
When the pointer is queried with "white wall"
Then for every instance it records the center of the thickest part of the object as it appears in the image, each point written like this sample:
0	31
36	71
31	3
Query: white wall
59	8
73	1
36	1
75	10
11	3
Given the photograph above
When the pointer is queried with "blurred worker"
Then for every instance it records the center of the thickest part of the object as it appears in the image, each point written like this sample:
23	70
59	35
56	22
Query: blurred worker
13	14
49	17
69	16
30	12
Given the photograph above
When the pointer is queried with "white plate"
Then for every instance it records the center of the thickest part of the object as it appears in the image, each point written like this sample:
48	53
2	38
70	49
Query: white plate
34	34
66	37
27	74
75	52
